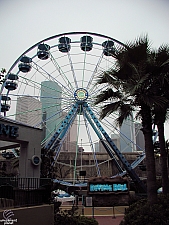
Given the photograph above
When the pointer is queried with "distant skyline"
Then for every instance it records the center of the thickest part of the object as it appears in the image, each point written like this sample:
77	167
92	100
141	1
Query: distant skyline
24	23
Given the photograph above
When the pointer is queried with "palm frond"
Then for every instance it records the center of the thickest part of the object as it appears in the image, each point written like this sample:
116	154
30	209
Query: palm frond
109	109
158	102
107	94
124	112
109	77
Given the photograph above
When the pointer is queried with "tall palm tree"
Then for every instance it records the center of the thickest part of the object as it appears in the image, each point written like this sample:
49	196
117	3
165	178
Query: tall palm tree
159	66
132	77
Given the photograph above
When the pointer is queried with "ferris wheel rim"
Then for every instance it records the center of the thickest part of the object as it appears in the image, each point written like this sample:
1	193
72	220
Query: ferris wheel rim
57	36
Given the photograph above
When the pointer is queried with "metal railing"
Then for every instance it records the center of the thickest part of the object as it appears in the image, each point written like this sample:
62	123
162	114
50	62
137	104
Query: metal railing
21	192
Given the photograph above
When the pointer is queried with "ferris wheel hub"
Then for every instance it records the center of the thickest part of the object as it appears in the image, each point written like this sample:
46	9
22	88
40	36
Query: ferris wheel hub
81	95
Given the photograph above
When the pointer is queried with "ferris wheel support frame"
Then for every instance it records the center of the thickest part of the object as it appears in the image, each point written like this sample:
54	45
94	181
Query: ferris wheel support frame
85	107
77	107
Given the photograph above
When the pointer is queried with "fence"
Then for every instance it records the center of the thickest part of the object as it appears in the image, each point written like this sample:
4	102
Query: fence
21	192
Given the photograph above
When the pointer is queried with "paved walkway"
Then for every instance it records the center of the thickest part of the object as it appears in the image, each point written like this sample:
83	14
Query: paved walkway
109	220
104	215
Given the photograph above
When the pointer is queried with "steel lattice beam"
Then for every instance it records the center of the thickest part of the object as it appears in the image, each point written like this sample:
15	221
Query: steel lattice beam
120	156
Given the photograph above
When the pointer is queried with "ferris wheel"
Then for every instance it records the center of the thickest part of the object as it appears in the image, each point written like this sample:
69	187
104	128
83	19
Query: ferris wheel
52	85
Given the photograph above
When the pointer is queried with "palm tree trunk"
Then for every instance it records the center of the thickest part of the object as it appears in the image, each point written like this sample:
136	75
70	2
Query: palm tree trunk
163	152
149	150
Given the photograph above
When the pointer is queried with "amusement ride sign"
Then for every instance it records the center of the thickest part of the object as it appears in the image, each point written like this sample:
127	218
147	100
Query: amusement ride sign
115	187
108	186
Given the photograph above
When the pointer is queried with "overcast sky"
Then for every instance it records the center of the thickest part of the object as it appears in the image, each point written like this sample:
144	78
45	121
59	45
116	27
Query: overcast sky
26	22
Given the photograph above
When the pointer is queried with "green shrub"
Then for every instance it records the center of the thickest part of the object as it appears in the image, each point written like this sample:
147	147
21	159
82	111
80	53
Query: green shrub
142	213
83	220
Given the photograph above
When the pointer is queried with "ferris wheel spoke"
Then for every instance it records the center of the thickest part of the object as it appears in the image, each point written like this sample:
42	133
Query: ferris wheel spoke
28	83
52	118
84	67
57	113
53	78
94	72
97	90
59	69
72	69
123	136
39	87
76	154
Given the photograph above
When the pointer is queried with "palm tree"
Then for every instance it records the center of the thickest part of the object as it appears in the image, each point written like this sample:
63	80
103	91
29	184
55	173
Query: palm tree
132	77
160	70
160	118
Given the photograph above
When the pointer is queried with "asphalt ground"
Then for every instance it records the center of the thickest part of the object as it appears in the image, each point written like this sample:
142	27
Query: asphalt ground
109	220
104	215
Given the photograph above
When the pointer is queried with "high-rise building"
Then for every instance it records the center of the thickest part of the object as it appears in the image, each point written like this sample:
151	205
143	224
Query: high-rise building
28	111
127	136
51	94
140	143
53	115
100	148
131	137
